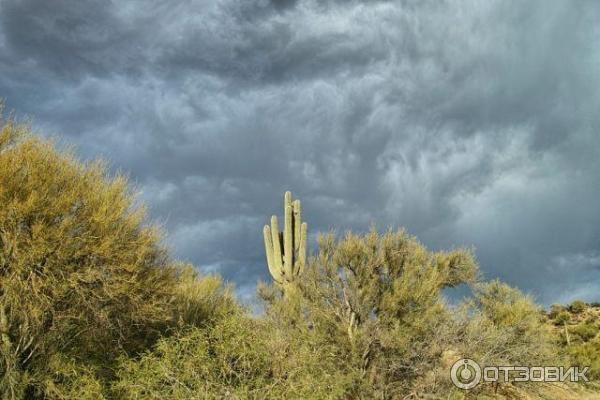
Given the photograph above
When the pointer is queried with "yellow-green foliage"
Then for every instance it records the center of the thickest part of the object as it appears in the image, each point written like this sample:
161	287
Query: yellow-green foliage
82	278
235	357
227	360
577	328
374	301
72	379
502	326
586	354
200	300
577	306
367	320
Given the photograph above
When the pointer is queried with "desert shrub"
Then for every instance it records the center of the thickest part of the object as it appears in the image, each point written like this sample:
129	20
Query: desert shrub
376	301
555	309
228	360
506	327
71	379
82	278
199	300
562	318
586	354
499	325
592	319
577	307
584	331
237	357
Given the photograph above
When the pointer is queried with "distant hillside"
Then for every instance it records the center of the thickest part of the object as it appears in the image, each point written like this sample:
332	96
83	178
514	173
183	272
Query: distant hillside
577	328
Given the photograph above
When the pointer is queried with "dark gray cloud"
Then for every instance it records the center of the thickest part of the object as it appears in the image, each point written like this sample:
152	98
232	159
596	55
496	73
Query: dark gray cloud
469	123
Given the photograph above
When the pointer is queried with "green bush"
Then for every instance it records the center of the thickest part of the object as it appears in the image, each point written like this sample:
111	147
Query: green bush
377	300
82	278
562	318
200	300
577	307
227	360
586	354
585	331
555	309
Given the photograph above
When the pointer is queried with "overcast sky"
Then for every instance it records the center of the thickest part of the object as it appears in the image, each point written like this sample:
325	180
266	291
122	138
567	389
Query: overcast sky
470	123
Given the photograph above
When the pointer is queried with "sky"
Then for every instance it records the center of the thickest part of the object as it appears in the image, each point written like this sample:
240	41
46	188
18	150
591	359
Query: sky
469	123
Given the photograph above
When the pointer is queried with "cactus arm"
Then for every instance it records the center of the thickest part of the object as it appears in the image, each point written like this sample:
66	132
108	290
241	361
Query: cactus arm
275	273
302	249
268	245
277	262
297	223
288	244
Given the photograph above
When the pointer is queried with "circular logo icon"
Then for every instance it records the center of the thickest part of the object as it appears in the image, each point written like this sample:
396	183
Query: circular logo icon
465	373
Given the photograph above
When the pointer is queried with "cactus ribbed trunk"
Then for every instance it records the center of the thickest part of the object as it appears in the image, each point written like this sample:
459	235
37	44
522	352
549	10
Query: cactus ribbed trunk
288	245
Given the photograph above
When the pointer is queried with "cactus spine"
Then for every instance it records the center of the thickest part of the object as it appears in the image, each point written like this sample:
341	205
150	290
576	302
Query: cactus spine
288	264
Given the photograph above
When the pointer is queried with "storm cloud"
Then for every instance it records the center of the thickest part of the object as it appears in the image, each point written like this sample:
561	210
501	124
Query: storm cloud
469	123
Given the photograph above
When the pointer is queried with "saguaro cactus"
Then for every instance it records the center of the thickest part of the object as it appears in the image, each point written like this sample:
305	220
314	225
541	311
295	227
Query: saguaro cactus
287	264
